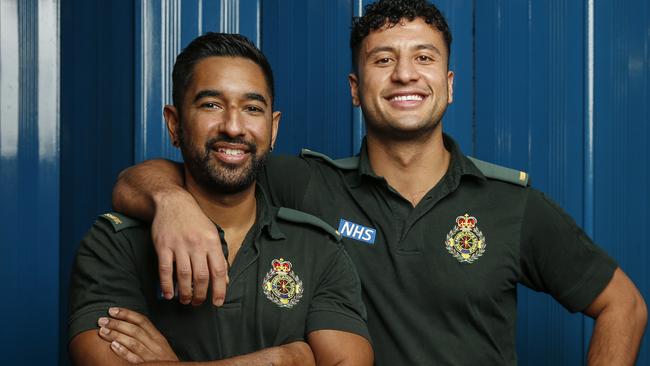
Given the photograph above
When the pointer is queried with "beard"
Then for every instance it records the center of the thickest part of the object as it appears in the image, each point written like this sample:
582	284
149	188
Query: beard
216	176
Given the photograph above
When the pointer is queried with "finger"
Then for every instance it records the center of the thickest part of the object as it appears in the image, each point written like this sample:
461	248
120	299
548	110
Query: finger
131	344
184	277
124	353
218	275
122	327
136	326
200	278
134	318
166	272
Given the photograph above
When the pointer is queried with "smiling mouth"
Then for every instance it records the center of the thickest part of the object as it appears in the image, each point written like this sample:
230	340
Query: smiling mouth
230	152
406	98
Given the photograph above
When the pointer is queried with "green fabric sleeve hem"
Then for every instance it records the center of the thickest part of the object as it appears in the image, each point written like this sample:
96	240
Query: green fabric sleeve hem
334	320
591	285
86	319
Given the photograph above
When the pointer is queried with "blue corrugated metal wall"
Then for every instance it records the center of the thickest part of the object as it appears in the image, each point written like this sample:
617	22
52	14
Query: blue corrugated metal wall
530	69
29	181
555	87
621	202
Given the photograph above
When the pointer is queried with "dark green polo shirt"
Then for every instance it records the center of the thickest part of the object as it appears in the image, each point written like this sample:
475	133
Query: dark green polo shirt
439	279
289	278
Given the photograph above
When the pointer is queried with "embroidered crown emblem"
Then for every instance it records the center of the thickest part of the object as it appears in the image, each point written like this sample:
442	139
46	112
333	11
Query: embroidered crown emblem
465	241
281	285
281	265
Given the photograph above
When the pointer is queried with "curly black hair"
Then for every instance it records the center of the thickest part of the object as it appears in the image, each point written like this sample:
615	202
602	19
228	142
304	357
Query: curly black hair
390	12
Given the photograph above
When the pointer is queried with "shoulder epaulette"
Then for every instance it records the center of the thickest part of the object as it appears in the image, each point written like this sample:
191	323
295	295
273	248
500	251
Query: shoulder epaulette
300	217
346	163
119	221
501	173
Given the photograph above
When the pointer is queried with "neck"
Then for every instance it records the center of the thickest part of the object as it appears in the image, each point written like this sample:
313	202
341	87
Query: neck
234	213
411	167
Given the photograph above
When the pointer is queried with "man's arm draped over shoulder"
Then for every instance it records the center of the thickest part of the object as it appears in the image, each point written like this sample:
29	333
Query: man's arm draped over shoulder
153	191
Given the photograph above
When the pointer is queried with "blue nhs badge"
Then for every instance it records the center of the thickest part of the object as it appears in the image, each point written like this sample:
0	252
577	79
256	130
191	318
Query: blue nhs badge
354	231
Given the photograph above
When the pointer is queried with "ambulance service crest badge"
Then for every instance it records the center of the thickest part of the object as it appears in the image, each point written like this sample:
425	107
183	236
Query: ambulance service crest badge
465	241
281	285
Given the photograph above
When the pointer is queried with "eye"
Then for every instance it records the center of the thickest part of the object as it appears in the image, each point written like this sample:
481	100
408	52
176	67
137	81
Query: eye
424	59
210	105
253	109
383	61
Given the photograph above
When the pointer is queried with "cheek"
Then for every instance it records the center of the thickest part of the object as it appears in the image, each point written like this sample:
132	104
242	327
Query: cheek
260	128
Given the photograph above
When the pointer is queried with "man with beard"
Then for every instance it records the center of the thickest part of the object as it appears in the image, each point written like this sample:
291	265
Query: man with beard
294	297
440	240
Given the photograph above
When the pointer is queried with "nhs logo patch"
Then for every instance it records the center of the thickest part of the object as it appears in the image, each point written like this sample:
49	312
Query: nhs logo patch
354	231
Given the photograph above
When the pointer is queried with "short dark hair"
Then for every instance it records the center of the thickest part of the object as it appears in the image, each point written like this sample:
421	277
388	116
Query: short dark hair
390	12
215	44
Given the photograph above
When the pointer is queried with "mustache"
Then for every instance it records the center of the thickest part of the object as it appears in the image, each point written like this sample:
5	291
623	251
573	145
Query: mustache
233	140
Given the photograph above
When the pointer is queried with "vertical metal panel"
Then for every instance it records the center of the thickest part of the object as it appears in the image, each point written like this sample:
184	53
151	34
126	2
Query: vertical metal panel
243	17
250	17
97	120
529	113
589	178
621	134
459	118
209	15
306	43
158	36
29	175
358	126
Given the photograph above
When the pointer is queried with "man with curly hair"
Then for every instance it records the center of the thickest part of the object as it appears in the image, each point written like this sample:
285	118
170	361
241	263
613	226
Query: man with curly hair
440	240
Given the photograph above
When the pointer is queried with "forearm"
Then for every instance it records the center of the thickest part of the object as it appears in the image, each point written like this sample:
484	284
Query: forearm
141	188
89	349
293	354
617	334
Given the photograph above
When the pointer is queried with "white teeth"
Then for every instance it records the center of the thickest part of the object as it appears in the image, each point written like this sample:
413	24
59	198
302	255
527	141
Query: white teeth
401	98
231	151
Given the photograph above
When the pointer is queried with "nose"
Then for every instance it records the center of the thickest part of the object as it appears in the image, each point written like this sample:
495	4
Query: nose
233	123
404	71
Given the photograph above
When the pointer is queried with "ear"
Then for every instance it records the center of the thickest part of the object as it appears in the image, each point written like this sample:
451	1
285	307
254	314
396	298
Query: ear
450	87
275	126
354	89
172	119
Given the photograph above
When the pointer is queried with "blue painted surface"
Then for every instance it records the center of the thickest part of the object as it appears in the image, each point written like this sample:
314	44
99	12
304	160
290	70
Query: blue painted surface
157	41
29	177
621	134
306	43
529	115
459	119
97	120
520	100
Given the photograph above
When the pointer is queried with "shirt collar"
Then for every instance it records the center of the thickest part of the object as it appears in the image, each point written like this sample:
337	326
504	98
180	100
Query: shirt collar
459	164
266	215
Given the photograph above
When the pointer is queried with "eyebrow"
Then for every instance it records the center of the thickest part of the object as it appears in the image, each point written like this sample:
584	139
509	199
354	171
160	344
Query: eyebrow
207	93
256	96
426	46
380	49
218	94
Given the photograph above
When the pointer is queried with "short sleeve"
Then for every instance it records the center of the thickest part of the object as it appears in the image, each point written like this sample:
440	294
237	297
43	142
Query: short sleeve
285	179
337	302
557	257
103	275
